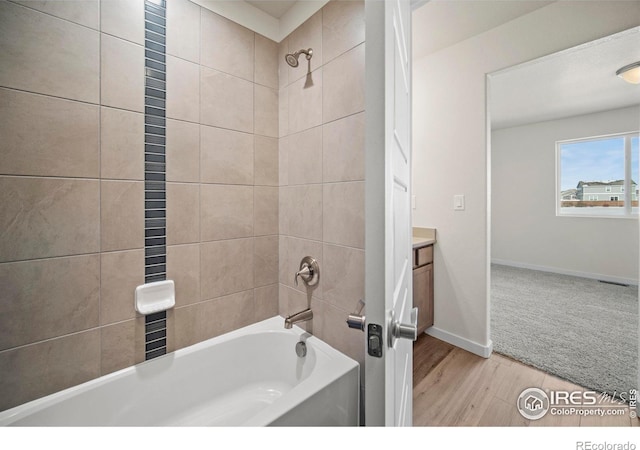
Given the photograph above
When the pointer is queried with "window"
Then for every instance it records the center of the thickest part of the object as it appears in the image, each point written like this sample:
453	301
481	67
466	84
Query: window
591	171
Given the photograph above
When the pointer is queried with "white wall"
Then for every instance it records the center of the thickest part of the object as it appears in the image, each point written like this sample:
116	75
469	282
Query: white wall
449	144
528	233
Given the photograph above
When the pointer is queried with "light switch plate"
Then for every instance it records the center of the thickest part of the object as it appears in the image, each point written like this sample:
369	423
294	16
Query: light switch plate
458	202
413	202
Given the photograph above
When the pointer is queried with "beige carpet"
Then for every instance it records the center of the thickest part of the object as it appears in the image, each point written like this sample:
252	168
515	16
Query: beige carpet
579	329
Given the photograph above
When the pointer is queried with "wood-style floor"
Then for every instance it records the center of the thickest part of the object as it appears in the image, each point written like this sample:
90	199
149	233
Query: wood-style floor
452	387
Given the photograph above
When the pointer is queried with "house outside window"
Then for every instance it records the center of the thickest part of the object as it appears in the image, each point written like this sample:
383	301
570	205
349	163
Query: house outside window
598	176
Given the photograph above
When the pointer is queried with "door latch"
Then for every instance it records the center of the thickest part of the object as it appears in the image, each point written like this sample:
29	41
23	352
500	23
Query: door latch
374	340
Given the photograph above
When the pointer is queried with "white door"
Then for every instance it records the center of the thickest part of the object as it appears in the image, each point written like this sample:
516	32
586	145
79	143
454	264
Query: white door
388	285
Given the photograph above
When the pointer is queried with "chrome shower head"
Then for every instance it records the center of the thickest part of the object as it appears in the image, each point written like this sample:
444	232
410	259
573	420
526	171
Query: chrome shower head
292	58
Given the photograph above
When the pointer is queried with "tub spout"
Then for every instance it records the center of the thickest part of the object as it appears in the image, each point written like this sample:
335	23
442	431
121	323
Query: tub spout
301	316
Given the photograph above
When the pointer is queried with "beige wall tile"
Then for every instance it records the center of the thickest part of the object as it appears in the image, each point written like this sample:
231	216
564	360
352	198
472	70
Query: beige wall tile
47	298
37	370
183	89
226	212
85	13
183	213
301	211
226	46
343	280
229	274
283	161
283	67
45	217
52	56
183	151
121	144
234	311
307	35
202	321
292	250
265	164
122	346
342	27
265	260
343	149
283	112
123	18
343	220
305	157
330	327
219	90
343	82
305	103
226	156
48	136
183	30
266	299
122	77
266	62
121	273
266	111
183	267
265	210
122	215
189	326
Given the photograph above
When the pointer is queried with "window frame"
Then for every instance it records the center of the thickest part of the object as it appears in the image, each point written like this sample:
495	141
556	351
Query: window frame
628	212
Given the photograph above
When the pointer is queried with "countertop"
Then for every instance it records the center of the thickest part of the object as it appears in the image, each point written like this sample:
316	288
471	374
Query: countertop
423	237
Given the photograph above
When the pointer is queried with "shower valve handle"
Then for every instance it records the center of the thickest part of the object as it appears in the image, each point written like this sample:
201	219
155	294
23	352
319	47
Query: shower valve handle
309	271
305	273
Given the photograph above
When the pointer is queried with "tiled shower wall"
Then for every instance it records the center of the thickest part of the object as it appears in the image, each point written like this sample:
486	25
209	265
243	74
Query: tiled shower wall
72	189
322	171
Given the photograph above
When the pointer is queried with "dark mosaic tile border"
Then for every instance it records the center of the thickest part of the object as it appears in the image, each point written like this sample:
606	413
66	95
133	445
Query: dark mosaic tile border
155	193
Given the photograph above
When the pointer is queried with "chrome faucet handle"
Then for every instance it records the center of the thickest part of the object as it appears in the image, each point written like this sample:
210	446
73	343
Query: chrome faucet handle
305	273
309	271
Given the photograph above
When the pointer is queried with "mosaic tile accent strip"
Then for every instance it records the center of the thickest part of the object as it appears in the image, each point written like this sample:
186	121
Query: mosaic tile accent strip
155	193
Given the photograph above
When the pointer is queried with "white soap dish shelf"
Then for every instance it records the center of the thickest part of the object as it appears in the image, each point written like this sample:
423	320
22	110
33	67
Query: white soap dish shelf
155	297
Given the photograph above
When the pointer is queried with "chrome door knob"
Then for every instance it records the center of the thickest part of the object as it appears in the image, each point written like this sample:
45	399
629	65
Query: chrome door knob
399	330
356	320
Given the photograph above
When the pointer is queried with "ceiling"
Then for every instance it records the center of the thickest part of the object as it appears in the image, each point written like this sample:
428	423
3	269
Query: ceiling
576	81
274	8
464	19
274	19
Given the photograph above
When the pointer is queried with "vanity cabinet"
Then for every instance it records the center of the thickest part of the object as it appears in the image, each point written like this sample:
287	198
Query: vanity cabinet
423	286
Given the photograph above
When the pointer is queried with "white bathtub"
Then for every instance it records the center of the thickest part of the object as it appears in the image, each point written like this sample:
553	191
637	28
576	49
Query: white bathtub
249	377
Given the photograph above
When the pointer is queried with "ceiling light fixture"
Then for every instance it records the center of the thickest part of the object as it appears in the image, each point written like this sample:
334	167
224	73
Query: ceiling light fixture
630	73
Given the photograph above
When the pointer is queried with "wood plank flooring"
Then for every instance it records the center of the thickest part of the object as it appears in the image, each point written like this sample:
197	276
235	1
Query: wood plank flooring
452	387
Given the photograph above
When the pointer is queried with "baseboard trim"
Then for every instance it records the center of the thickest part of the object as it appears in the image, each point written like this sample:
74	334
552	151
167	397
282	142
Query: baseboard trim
592	276
463	343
